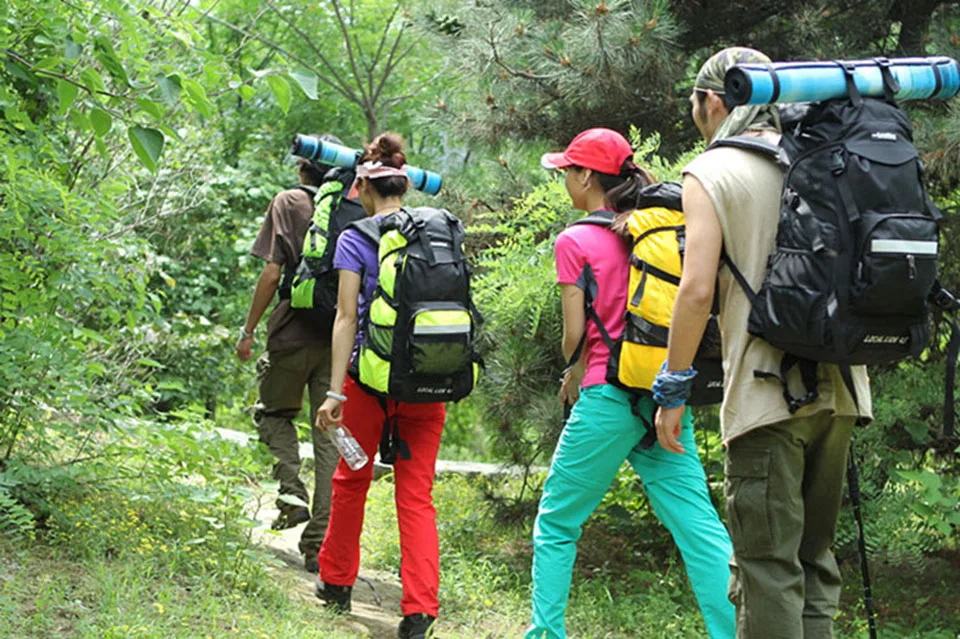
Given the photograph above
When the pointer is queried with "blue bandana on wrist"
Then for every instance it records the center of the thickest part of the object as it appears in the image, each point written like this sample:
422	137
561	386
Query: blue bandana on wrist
672	388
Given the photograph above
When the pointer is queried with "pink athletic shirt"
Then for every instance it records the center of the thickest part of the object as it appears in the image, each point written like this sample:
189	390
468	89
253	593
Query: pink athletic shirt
609	258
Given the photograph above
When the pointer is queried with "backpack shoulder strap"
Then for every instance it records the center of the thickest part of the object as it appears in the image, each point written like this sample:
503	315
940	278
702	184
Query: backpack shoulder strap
310	192
774	152
597	218
368	227
588	284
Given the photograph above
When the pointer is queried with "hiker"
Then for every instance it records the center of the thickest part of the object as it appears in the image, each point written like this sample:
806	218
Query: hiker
297	356
606	425
784	470
381	184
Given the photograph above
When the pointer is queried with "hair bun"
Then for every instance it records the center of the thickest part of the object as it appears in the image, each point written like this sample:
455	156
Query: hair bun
386	148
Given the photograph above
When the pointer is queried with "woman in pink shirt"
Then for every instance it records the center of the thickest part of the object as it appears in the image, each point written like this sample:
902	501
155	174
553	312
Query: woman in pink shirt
607	424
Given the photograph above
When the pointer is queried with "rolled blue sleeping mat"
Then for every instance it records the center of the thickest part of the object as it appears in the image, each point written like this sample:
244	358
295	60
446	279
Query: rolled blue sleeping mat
313	148
933	78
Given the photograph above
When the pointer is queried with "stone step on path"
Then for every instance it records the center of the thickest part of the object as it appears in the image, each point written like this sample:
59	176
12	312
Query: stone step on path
469	469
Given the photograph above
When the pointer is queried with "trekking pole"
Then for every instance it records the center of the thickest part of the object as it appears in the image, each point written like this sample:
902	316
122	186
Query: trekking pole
853	483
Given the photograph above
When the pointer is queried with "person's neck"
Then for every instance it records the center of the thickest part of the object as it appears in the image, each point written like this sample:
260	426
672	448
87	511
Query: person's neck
596	202
387	205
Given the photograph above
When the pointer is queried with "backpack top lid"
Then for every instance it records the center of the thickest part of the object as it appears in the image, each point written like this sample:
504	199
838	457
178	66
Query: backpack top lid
409	222
668	195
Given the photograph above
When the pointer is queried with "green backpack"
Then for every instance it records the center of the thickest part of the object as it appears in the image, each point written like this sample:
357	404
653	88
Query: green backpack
312	286
419	331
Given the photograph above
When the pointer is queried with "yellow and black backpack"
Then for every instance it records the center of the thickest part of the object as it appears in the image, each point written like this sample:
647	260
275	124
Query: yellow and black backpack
658	238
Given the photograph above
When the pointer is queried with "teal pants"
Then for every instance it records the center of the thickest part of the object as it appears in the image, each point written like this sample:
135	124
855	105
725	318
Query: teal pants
601	433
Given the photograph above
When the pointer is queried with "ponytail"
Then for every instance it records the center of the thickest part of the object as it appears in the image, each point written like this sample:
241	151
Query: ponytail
623	191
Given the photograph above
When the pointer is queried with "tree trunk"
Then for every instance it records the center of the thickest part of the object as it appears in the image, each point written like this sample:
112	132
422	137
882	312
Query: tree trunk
914	18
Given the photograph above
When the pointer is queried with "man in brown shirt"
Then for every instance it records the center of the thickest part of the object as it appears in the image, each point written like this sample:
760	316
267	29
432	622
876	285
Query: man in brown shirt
297	357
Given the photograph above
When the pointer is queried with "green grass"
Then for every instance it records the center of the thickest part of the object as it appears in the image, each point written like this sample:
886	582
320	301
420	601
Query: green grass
628	581
169	560
44	595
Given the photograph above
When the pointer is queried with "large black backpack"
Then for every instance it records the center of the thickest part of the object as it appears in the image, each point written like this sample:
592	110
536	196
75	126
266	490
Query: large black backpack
418	332
855	261
312	286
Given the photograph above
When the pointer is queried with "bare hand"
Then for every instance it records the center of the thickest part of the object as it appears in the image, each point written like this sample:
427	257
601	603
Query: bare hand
570	387
243	348
668	428
329	413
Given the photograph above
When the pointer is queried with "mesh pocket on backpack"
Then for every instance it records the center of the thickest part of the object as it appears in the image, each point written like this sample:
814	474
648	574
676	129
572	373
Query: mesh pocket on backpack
792	309
440	339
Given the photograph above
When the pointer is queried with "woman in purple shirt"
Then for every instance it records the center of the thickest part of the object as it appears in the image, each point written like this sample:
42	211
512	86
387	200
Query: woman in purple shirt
381	184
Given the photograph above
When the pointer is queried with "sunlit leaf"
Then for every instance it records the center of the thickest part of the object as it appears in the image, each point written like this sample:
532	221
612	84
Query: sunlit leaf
150	107
148	145
66	94
307	81
169	88
281	91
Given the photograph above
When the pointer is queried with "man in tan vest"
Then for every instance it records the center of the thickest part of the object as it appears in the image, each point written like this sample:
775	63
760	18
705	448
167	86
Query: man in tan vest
784	472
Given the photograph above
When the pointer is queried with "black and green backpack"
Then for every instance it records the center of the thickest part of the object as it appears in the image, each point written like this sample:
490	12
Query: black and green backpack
419	328
418	332
312	286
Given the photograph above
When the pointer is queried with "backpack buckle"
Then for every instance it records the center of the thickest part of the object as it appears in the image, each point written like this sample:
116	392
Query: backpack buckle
944	299
838	165
796	403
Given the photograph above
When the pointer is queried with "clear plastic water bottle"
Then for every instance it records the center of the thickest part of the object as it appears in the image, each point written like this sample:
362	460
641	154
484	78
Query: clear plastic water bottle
349	447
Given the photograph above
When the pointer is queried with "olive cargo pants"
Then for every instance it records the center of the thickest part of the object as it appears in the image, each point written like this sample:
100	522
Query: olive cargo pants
783	489
282	376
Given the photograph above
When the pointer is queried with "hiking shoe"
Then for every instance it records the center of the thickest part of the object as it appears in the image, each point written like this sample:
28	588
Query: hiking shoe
311	562
336	596
418	626
290	518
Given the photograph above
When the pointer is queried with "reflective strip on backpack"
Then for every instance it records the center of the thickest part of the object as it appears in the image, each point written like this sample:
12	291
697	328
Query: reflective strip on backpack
906	247
439	322
441	330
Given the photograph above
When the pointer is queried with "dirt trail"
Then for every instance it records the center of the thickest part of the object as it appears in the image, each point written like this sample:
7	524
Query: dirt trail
376	596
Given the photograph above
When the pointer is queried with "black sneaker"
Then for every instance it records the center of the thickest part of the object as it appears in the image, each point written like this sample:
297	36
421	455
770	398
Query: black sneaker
311	562
418	626
290	518
336	596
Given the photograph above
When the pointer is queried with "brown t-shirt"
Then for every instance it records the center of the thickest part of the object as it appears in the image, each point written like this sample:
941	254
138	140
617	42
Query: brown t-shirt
280	241
745	191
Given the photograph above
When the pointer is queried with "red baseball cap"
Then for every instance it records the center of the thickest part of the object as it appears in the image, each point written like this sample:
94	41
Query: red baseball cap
600	149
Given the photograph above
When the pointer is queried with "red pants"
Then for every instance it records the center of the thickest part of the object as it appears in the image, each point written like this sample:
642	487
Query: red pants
420	426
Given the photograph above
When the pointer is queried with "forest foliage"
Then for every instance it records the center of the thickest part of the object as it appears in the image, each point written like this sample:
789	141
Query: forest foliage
141	141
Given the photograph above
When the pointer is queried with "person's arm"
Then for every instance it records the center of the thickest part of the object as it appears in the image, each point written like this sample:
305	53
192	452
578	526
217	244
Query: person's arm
574	325
691	310
574	318
344	335
263	294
